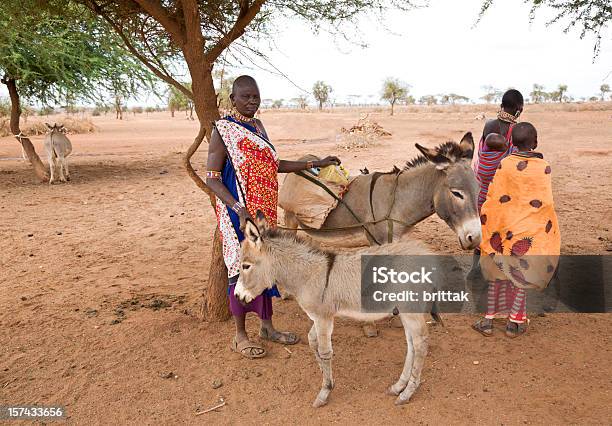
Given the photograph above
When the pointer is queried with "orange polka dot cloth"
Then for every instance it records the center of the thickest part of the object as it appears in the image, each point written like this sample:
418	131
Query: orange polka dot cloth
520	232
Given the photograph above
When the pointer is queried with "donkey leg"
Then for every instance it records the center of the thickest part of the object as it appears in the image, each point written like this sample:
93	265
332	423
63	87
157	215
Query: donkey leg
324	329
52	167
399	386
67	173
418	331
61	161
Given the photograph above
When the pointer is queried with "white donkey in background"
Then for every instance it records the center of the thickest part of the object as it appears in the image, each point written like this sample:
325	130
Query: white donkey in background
58	147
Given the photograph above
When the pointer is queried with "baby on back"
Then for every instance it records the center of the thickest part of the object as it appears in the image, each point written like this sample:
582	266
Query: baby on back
496	142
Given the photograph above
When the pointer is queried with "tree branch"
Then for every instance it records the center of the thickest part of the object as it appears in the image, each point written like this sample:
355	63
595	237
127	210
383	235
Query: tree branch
161	15
246	15
128	44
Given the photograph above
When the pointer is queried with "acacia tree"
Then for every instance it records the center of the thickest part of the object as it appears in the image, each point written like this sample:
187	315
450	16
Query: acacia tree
538	94
49	59
321	92
162	33
394	90
560	92
603	89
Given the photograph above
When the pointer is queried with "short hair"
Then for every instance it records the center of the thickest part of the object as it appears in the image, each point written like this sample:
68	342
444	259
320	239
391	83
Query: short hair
512	99
523	134
243	80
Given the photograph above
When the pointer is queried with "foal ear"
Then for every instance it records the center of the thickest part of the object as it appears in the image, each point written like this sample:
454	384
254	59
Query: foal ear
260	221
433	155
251	232
467	145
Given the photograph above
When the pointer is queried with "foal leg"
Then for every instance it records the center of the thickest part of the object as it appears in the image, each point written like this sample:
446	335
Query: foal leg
416	326
324	328
400	385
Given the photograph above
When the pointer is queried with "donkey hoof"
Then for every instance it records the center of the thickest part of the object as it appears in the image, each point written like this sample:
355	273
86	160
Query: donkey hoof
401	401
391	392
319	403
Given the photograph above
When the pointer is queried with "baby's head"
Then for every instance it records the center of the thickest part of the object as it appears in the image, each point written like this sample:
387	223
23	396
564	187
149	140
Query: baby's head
496	142
524	136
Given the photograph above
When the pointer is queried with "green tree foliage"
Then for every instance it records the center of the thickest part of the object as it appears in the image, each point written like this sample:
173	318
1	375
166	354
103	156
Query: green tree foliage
589	16
223	86
453	98
321	92
428	100
538	94
603	89
394	90
491	94
301	101
177	101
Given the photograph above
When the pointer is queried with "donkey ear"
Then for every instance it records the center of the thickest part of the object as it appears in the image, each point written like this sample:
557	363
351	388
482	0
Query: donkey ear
467	145
251	231
433	155
48	126
260	221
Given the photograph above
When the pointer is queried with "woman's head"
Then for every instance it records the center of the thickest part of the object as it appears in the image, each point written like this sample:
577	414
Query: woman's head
245	95
512	102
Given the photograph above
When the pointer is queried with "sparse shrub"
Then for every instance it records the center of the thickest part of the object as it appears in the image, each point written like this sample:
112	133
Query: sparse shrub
96	112
5	107
45	111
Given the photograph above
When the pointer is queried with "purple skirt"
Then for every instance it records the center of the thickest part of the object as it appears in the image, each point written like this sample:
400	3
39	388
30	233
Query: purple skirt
261	305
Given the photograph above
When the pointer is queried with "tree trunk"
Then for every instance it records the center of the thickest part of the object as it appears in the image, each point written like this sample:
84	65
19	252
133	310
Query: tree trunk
214	304
392	105
39	168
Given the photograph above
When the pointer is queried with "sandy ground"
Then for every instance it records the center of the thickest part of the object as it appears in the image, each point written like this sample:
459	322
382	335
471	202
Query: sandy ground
101	283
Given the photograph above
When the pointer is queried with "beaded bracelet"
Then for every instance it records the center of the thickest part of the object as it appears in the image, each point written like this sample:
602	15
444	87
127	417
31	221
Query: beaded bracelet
213	174
237	206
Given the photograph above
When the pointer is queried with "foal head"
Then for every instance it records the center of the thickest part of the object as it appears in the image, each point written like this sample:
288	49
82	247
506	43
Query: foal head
256	269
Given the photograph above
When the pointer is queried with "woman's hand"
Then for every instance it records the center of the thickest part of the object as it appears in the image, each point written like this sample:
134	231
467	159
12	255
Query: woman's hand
331	160
243	214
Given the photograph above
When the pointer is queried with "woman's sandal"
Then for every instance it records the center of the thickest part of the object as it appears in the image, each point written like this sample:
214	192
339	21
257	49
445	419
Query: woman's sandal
484	326
248	349
514	329
282	337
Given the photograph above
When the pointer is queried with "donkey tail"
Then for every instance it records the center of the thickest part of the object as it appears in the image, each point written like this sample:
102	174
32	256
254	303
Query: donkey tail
435	315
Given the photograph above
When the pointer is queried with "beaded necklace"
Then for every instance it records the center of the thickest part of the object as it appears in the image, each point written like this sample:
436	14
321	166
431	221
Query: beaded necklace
507	117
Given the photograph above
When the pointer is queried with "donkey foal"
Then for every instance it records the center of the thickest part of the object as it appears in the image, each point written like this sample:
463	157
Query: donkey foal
325	285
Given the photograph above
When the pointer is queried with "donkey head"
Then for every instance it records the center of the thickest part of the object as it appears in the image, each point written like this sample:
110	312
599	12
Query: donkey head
256	269
455	196
56	128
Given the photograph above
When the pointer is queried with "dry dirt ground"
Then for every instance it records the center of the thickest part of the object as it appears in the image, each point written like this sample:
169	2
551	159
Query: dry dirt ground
101	283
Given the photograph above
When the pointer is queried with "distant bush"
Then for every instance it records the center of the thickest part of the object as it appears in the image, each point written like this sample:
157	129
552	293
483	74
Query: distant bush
46	110
96	112
5	107
137	110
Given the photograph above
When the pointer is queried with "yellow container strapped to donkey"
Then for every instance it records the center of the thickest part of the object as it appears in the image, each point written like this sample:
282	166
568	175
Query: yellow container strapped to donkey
310	202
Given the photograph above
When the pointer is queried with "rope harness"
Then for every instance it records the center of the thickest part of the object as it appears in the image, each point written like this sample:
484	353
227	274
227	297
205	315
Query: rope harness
360	224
